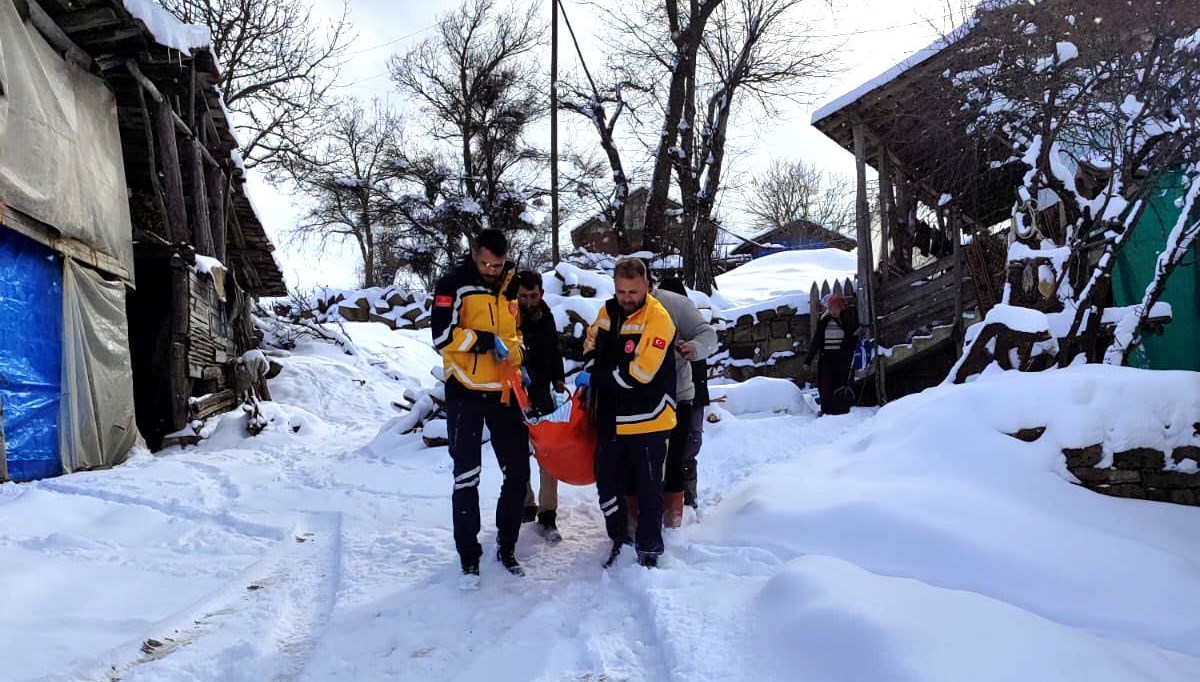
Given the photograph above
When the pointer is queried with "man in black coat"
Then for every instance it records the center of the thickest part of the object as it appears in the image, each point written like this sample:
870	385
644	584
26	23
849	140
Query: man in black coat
544	365
834	342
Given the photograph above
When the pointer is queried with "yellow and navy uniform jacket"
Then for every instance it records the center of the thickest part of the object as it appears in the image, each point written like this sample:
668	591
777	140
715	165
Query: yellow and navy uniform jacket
632	368
468	315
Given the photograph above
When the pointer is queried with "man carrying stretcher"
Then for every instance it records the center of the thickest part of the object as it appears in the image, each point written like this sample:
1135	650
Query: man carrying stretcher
630	371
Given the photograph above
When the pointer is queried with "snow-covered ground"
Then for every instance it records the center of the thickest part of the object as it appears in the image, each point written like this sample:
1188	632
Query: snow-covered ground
916	543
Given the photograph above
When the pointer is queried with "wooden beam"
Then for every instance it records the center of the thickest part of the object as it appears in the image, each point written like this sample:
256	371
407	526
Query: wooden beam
201	224
54	35
217	184
956	245
866	279
885	211
168	155
40	232
152	161
146	84
180	383
92	19
192	96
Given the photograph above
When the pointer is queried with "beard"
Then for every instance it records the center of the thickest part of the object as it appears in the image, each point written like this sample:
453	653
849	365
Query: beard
631	308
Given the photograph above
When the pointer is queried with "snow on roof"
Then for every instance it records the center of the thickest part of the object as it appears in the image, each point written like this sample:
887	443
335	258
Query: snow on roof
168	30
915	59
781	279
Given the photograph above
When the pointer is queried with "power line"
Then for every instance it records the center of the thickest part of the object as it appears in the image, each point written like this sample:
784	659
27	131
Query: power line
393	41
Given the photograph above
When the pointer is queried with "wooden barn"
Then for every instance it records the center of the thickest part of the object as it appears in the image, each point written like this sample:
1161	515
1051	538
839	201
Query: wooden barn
148	196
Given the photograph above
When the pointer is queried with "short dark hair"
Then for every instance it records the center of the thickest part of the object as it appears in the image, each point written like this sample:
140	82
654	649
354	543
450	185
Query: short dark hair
493	240
674	285
631	268
529	279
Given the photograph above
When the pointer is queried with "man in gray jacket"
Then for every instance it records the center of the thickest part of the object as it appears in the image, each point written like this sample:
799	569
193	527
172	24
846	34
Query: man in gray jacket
695	340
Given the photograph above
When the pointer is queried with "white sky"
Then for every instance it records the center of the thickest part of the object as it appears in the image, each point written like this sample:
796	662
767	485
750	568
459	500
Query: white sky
875	33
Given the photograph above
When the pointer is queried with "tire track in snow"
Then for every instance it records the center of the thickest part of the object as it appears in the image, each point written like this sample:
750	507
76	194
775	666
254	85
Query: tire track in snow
567	619
261	626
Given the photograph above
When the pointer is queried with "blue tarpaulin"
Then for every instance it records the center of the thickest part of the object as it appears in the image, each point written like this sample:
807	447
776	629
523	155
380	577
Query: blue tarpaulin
31	304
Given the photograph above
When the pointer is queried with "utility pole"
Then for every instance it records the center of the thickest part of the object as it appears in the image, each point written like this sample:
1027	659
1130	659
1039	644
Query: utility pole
554	255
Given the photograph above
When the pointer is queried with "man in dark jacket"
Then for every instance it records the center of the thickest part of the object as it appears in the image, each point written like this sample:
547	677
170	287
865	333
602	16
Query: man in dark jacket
544	370
834	343
688	435
475	324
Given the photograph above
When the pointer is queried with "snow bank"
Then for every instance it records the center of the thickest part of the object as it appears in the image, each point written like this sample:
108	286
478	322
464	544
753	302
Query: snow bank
760	395
780	279
930	545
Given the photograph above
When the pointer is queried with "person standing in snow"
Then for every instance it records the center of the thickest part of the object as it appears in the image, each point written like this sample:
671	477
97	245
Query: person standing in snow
834	343
544	371
631	376
476	328
696	341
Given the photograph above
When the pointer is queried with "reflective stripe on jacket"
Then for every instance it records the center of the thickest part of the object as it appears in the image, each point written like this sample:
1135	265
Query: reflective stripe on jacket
633	368
468	316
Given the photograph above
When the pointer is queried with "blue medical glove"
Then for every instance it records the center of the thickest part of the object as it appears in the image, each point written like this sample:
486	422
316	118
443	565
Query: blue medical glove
583	380
501	349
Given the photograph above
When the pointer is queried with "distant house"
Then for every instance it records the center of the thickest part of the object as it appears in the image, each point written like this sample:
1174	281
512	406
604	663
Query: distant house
795	236
596	234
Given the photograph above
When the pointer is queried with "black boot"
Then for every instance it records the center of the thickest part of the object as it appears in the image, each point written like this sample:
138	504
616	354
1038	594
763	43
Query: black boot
470	575
612	555
530	514
508	558
546	520
647	560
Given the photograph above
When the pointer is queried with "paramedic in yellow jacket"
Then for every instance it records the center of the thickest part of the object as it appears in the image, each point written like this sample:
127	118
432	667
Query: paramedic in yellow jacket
475	327
630	374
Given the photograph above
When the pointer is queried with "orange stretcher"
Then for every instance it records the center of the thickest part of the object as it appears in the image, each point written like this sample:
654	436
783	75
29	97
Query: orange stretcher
564	449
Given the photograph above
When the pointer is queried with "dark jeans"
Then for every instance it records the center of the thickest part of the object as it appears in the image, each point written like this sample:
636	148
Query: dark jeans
683	448
833	381
642	457
510	439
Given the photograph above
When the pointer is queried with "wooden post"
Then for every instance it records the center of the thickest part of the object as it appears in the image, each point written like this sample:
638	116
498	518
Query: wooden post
155	185
180	382
554	254
862	220
216	210
168	156
814	309
885	210
202	237
956	246
191	117
866	304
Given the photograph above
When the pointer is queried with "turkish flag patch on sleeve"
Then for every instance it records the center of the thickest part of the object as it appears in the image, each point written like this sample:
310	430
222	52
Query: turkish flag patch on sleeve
443	301
660	342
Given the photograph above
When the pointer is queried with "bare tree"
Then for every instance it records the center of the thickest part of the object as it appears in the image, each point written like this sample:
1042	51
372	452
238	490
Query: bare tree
279	63
350	175
1099	104
603	108
474	81
793	190
753	53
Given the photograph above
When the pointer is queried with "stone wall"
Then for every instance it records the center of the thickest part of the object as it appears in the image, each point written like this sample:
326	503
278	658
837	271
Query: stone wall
769	343
1140	473
397	308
